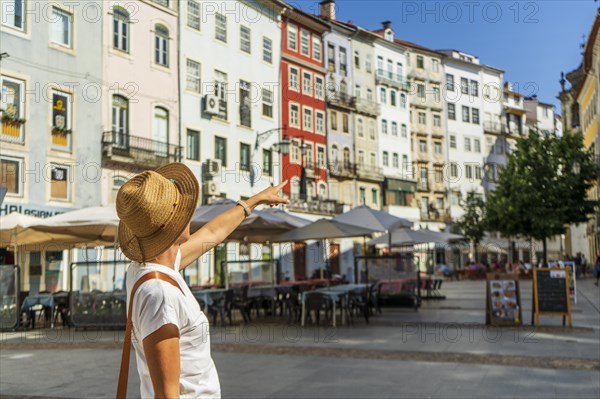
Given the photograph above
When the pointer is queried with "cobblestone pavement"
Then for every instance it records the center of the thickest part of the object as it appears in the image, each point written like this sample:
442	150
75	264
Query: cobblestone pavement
441	351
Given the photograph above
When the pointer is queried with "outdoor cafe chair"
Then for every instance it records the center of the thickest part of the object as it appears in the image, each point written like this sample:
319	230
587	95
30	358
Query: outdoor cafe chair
242	303
358	303
316	302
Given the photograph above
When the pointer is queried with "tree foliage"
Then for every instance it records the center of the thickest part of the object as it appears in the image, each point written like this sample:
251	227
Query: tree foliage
472	223
543	187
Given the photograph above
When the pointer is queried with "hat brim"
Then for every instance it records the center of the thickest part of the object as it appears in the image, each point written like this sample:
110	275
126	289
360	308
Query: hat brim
147	248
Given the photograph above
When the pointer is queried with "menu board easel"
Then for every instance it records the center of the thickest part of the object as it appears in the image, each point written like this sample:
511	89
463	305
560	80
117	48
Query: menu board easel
503	299
551	294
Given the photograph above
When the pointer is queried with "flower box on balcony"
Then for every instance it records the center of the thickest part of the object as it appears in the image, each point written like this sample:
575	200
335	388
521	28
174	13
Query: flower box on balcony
60	136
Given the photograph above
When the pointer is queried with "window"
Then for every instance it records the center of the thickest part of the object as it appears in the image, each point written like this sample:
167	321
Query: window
321	157
193	15
478	172
317	48
294	115
267	103
385	159
467	144
373	158
393	98
437	147
120	122
61	119
499	147
369	63
369	94
395	160
474	88
439	175
475	114
334	121
464	85
244	157
465	114
160	131
121	29
449	82
161	45
13	13
307	83
345	123
436	93
422	146
421	90
245	40
469	172
245	106
420	62
452	141
435	65
294	82
346	156
267	163
399	70
331	57
363	195
193	145
451	112
308	155
382	95
384	126
308	119
334	153
292	38
437	120
318	87
405	164
12	103
320	122
304	42
62	25
361	157
356	59
423	184
453	170
221	149
10	175
59	183
394	129
193	76
422	118
221	27
359	127
343	61
267	50
402	100
372	129
477	145
221	93
374	196
295	151
404	130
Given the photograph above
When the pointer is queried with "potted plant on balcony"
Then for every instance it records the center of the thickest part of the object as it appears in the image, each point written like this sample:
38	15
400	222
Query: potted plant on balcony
11	117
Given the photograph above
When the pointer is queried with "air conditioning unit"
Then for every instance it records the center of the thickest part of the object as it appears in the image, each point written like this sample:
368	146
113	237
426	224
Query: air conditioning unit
211	188
212	167
211	104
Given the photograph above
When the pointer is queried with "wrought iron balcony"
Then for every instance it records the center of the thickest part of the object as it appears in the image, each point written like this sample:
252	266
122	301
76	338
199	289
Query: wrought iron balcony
369	172
342	100
367	106
342	169
305	204
393	79
434	215
125	148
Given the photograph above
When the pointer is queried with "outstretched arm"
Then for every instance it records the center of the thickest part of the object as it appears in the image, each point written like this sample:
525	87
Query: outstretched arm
214	232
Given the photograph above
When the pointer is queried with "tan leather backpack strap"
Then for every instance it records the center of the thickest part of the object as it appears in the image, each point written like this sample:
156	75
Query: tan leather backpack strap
124	371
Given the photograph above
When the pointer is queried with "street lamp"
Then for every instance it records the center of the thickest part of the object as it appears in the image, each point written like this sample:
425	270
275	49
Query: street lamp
282	147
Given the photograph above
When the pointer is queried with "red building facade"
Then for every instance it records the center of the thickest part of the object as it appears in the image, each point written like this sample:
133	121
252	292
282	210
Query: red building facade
303	108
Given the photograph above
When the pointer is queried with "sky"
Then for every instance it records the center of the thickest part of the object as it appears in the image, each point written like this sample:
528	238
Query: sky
532	41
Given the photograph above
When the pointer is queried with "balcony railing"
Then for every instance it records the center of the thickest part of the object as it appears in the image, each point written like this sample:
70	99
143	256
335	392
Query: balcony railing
342	169
125	148
305	204
367	106
492	127
393	79
434	216
12	131
342	100
370	172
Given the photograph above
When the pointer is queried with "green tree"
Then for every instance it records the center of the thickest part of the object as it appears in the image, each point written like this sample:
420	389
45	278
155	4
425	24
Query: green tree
472	223
542	188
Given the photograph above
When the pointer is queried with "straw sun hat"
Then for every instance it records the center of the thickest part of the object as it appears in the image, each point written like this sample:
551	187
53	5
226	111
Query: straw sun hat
155	208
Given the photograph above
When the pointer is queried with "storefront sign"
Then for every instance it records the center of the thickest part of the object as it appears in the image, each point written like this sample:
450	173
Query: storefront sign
38	211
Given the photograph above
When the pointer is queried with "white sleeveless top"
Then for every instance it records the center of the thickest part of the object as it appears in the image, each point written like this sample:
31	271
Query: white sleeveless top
158	303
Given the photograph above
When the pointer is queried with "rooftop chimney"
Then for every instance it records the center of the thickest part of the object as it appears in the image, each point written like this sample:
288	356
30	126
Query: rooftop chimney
386	24
328	9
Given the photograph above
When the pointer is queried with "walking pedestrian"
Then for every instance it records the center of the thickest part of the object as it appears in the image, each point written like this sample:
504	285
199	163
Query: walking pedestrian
168	329
597	269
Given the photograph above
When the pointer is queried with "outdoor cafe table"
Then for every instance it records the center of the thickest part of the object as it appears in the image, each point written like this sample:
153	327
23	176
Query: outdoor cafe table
335	295
46	300
208	297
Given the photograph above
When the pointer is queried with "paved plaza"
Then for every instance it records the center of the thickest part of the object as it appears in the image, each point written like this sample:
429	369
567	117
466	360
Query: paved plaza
441	351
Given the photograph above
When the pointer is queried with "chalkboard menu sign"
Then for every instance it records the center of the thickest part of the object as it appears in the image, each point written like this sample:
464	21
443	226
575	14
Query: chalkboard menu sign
503	300
551	294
